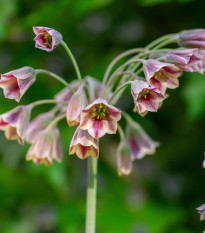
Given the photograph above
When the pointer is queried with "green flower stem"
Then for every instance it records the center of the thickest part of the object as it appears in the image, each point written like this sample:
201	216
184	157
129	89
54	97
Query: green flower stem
54	122
161	40
164	43
91	195
73	60
40	102
40	71
129	52
119	89
130	121
121	133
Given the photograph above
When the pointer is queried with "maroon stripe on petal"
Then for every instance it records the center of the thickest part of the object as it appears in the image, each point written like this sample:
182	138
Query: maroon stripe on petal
97	126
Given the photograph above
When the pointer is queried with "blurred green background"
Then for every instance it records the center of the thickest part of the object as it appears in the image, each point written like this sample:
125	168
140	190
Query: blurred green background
161	194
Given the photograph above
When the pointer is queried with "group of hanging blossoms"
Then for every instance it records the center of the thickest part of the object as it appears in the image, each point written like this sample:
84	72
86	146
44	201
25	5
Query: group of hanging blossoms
89	103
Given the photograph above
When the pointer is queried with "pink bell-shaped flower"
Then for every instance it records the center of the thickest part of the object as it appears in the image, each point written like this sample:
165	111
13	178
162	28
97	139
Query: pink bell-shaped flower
47	38
46	147
161	75
15	123
84	145
15	83
146	98
139	142
99	118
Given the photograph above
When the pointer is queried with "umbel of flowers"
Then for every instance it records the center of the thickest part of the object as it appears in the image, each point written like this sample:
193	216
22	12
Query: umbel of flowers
89	105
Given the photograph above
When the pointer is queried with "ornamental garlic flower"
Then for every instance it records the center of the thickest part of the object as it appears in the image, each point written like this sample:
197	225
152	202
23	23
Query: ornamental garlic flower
124	161
201	211
192	38
15	123
46	147
15	83
75	106
47	38
146	97
139	142
83	144
161	75
99	118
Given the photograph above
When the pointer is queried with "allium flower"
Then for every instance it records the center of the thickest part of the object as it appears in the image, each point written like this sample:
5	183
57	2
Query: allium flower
192	38
15	83
37	125
146	97
139	142
124	161
161	75
75	106
186	59
46	147
47	38
100	118
15	123
201	211
83	144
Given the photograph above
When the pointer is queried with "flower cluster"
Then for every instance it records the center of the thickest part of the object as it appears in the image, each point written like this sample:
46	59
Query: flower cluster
90	104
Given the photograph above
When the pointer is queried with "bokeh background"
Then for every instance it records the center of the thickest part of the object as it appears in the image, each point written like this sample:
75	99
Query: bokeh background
161	194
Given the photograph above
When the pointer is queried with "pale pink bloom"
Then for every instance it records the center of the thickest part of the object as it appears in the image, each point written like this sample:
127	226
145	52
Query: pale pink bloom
192	38
15	123
47	38
75	106
186	59
139	142
37	125
124	161
161	75
99	118
84	145
15	83
201	211
146	98
46	147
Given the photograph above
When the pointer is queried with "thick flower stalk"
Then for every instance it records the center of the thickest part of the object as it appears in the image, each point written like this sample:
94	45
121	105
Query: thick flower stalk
90	103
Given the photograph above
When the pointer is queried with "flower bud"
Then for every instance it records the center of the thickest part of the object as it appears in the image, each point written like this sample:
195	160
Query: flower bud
47	38
15	123
46	147
124	161
15	83
75	106
201	211
192	38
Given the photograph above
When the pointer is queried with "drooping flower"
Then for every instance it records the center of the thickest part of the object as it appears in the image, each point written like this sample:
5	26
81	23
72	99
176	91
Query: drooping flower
124	161
186	59
99	118
38	124
46	147
192	38
201	211
75	106
161	75
146	98
15	123
47	38
15	83
139	142
83	144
